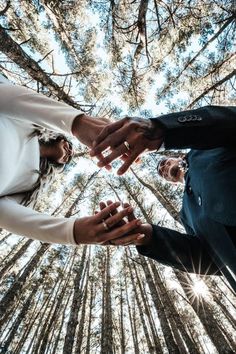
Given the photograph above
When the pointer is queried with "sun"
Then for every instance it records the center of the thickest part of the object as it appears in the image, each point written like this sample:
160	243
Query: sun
199	288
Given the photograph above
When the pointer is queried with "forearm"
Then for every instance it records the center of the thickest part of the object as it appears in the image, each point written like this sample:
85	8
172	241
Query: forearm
181	251
25	221
25	105
204	128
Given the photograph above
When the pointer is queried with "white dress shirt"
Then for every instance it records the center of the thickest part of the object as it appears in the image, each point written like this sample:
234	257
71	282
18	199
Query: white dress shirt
20	110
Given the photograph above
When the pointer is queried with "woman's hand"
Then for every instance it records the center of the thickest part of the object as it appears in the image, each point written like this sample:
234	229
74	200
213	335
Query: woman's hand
140	236
86	129
99	229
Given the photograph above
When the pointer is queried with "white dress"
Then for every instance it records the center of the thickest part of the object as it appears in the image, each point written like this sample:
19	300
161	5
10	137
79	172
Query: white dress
20	109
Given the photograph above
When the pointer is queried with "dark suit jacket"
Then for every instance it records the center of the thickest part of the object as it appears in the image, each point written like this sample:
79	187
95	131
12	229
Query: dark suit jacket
209	203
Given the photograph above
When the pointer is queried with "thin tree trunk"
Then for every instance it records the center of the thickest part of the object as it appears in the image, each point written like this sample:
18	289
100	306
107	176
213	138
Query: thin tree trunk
131	320
16	256
14	291
87	350
212	87
107	330
151	347
81	327
160	197
157	345
174	316
14	51
166	328
75	306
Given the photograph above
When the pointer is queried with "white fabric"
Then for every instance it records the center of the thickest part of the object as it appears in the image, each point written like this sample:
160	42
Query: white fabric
20	109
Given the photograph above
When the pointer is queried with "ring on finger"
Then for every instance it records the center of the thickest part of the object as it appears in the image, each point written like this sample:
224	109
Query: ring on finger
127	145
106	227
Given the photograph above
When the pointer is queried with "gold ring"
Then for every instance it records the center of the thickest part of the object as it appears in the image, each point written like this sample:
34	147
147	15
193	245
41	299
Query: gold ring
127	145
105	225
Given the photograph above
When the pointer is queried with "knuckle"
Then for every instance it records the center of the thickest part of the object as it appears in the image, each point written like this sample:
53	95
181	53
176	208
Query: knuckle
132	124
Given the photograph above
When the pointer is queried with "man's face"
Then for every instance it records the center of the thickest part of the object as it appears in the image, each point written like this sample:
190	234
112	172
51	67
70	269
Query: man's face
170	170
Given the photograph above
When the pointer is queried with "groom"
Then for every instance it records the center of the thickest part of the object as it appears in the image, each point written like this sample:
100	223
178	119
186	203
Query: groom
209	202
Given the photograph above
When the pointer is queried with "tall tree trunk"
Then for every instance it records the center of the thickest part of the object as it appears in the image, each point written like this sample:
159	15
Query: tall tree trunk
173	316
160	197
87	351
107	325
16	256
157	345
14	291
132	320
81	327
121	322
157	300
75	306
150	344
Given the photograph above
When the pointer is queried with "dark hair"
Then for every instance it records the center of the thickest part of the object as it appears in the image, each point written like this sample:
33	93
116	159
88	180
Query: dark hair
47	168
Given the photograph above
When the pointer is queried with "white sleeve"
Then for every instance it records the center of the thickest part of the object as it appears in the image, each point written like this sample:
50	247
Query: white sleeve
25	221
23	104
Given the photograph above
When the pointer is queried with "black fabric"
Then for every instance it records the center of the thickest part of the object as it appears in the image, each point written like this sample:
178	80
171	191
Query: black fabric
209	202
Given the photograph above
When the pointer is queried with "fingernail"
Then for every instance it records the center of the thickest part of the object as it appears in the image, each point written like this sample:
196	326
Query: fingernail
139	237
117	204
130	209
138	223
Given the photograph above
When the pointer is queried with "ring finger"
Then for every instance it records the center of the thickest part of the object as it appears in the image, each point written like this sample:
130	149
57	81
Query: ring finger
115	219
117	151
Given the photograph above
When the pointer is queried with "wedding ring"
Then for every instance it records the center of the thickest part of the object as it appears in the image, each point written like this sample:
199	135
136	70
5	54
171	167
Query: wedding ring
127	145
105	225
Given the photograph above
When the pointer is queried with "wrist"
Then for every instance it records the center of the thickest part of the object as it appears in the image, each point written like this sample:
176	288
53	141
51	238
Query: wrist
85	129
75	232
146	229
155	130
78	124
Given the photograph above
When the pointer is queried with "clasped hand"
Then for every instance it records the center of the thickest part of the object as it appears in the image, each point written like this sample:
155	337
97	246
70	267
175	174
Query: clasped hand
106	226
127	138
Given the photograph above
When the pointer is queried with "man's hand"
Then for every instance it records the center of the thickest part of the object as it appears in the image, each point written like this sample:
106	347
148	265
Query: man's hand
128	138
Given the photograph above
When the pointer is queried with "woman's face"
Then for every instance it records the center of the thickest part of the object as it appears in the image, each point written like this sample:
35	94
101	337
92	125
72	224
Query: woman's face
63	151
